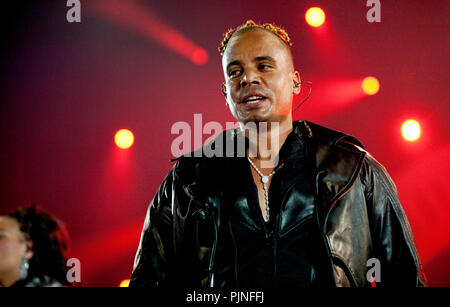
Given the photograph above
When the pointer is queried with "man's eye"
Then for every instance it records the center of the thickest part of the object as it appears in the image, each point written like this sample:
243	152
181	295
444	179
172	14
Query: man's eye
264	66
233	73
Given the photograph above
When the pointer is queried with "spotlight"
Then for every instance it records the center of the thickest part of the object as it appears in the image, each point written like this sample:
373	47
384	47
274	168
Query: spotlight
370	85
315	17
124	138
199	56
411	130
124	283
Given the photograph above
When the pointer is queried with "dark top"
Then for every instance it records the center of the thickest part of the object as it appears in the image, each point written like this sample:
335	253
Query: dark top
264	257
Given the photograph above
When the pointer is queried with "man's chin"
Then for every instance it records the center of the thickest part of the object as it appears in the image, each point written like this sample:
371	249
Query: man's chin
255	116
255	119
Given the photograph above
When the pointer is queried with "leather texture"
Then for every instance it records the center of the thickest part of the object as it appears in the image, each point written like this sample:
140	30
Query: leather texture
198	228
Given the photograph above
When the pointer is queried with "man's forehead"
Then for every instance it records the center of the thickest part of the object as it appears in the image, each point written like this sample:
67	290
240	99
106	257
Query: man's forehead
260	41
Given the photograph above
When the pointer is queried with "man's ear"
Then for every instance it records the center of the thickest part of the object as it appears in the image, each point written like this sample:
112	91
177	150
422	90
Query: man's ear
224	92
296	82
29	250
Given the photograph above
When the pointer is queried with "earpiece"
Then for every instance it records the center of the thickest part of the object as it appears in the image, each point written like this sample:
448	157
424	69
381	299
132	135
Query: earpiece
223	90
309	94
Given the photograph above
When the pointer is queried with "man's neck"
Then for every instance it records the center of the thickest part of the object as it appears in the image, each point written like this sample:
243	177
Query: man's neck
266	141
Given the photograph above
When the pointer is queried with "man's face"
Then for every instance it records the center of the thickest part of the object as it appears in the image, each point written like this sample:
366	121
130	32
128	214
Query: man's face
259	77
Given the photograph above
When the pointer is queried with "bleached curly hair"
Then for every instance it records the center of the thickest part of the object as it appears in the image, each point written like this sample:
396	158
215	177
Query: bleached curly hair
250	24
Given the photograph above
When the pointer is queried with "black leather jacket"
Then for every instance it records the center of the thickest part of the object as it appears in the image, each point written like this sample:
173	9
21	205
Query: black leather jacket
186	239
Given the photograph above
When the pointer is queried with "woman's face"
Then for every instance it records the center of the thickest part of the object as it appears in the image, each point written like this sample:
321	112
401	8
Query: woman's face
13	248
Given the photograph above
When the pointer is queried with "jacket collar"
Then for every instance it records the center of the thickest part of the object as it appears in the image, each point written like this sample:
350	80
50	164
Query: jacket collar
334	155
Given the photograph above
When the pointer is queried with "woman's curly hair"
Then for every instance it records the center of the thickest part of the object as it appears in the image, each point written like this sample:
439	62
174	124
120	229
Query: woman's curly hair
250	24
50	242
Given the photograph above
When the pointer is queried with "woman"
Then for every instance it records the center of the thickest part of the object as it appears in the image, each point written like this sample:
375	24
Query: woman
33	249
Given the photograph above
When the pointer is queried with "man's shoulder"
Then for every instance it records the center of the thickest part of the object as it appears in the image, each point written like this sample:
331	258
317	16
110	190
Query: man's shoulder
326	136
202	166
215	147
332	150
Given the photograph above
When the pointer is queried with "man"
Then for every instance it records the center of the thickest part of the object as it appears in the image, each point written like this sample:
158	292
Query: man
314	209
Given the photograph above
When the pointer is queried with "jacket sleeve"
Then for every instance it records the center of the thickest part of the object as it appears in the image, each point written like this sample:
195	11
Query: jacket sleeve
393	239
155	249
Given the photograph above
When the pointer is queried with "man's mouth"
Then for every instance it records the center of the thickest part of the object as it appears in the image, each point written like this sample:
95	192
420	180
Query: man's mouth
253	99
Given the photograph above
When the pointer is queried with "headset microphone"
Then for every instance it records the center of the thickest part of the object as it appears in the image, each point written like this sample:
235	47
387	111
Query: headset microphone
309	94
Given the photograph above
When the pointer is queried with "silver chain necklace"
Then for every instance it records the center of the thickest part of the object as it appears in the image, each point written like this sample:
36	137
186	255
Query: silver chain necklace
265	180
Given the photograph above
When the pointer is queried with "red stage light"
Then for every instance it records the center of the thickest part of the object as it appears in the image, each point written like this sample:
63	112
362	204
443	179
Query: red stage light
199	56
315	17
411	130
124	283
370	85
124	138
138	16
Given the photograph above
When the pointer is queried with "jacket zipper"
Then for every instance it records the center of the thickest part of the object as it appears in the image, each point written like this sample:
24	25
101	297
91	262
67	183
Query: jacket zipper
213	251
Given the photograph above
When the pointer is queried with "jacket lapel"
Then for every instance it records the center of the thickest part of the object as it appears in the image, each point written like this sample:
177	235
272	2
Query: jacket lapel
337	162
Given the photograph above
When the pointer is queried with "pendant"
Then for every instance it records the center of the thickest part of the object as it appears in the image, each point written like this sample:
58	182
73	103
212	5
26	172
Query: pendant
265	179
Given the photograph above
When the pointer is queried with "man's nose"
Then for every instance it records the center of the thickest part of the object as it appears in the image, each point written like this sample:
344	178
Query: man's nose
250	78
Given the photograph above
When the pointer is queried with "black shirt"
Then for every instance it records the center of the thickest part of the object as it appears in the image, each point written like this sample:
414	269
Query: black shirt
281	252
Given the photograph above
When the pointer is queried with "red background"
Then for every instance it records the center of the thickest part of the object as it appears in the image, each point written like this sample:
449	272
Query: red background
66	88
